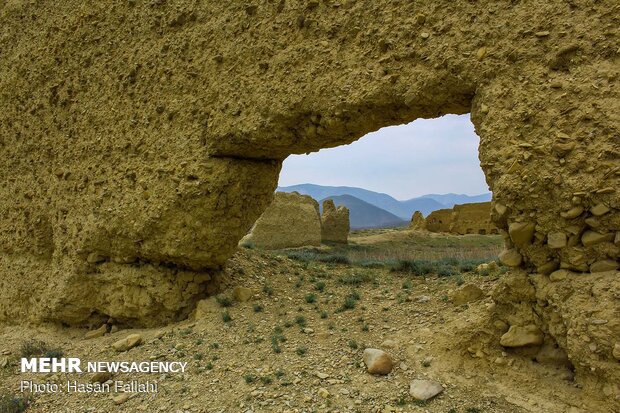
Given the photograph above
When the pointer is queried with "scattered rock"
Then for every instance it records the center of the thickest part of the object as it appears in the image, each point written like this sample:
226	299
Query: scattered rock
616	351
323	393
424	389
377	361
466	294
487	266
242	294
519	336
95	258
511	257
128	342
604	265
121	398
96	333
101	377
322	375
390	344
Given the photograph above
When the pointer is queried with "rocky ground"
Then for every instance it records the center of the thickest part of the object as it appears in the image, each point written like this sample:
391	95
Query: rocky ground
289	335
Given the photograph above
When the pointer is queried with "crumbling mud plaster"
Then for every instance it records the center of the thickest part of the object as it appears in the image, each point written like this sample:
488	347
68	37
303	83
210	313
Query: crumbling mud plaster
150	134
439	221
291	220
335	223
472	218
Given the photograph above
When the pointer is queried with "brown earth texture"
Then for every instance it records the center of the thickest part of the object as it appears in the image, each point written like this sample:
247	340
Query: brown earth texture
141	140
295	342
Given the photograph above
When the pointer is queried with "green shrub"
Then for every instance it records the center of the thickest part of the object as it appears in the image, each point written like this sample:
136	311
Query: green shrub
13	404
226	317
249	378
310	298
301	321
354	279
223	300
415	267
32	348
320	286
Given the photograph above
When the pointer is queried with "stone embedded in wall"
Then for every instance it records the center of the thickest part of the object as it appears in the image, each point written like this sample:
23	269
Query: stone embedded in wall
418	222
439	221
474	218
334	223
292	220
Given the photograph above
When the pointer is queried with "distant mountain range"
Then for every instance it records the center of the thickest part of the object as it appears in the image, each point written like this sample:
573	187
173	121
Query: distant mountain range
365	215
402	209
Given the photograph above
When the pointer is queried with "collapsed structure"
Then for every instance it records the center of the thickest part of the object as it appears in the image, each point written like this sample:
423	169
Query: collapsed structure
291	220
417	221
335	224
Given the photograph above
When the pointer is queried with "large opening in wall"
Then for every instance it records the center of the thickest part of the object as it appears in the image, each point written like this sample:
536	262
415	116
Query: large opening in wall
413	192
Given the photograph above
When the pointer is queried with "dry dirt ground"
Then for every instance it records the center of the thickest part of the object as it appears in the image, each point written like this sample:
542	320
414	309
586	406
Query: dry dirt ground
297	344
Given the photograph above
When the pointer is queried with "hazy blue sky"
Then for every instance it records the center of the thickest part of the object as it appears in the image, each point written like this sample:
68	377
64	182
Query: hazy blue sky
422	157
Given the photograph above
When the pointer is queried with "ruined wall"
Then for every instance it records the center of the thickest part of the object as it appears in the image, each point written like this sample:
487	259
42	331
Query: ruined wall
439	221
472	218
335	224
149	135
417	221
291	220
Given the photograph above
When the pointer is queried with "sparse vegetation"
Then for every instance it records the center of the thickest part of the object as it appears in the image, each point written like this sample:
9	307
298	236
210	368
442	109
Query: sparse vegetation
301	321
249	378
224	301
301	351
354	279
32	348
13	404
310	298
226	317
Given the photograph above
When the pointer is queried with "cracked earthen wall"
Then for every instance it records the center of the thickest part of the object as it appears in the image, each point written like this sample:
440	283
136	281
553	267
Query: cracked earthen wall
141	140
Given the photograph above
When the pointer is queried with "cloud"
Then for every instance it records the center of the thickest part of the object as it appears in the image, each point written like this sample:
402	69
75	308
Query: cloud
424	156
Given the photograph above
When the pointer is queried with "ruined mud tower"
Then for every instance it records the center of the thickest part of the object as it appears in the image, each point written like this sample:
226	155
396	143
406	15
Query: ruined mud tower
141	140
